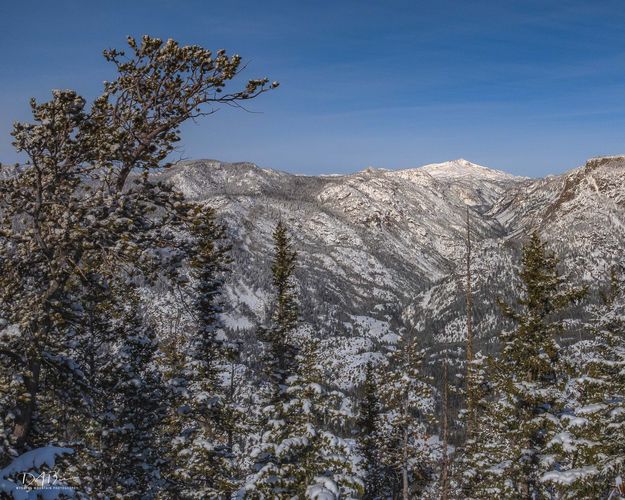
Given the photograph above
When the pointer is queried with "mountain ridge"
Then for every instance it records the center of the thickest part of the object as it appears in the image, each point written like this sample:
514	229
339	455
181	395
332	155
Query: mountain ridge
382	250
459	162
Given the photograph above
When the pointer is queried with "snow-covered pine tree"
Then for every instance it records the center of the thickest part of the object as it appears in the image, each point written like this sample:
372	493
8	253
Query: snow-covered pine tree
529	377
70	393
471	477
280	360
276	448
408	407
591	447
122	454
201	421
317	415
75	209
299	452
369	426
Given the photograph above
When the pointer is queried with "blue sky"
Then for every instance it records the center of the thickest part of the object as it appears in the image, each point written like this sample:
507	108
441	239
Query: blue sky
531	87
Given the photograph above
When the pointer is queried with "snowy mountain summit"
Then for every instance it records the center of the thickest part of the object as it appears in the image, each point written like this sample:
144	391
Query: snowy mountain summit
462	168
381	250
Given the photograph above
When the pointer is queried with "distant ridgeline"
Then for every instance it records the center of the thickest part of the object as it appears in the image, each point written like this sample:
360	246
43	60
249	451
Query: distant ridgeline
384	250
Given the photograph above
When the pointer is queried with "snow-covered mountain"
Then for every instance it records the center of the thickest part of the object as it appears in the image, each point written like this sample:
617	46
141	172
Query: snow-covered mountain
381	250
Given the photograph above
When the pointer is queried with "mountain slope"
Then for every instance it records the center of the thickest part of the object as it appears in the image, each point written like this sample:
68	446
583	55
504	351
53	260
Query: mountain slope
381	250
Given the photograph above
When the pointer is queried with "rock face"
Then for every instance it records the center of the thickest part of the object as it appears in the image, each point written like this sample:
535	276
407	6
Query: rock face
381	250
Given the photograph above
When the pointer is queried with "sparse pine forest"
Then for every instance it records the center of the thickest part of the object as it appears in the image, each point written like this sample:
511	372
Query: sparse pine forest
121	377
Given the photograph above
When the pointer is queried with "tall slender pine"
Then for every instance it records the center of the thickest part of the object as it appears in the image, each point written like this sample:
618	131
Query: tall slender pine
470	375
370	434
298	454
201	420
408	409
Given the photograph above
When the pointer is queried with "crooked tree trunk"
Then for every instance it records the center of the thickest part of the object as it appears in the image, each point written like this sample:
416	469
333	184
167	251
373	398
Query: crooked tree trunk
27	403
26	407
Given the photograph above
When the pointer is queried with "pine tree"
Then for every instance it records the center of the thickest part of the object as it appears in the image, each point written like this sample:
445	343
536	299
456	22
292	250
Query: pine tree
75	211
280	363
529	378
299	452
201	421
370	434
591	447
314	415
472	476
327	411
122	456
408	408
276	449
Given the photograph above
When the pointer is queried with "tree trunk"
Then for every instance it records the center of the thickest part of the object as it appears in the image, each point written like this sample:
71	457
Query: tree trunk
469	372
445	432
404	471
26	408
231	401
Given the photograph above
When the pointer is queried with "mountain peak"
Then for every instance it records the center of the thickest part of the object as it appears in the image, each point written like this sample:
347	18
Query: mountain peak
459	168
463	168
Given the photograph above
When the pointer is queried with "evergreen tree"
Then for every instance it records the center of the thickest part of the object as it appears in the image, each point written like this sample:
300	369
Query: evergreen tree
280	361
74	210
529	379
300	452
408	408
472	476
326	416
591	447
311	451
122	456
201	420
275	449
370	434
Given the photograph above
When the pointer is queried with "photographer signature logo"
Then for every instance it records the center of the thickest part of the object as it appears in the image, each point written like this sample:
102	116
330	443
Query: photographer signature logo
45	481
